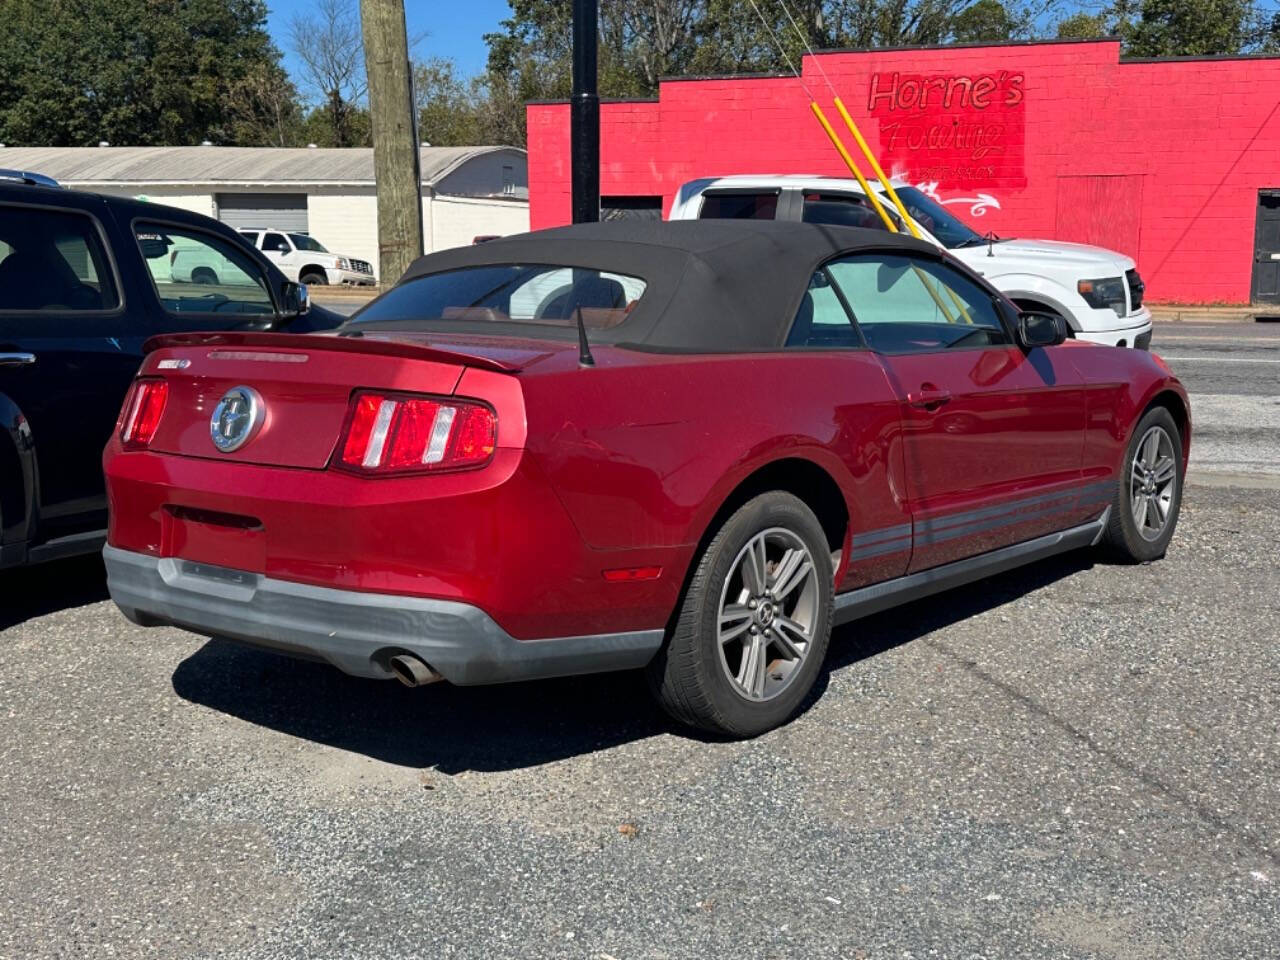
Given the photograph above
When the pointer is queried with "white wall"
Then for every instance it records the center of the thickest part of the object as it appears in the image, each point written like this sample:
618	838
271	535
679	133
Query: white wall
345	220
481	176
456	221
181	197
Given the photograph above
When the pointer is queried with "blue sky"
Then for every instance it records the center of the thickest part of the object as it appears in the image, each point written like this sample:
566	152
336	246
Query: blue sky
454	29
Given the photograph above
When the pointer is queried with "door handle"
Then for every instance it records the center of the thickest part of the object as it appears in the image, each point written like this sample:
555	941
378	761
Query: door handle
17	359
928	397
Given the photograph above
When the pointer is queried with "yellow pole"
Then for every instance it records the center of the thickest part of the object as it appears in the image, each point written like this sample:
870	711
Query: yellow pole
897	202
875	168
875	200
853	167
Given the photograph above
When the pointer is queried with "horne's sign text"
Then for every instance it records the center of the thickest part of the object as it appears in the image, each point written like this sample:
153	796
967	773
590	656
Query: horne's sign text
959	131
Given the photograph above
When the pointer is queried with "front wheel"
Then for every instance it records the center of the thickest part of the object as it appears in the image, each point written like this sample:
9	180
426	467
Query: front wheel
753	630
1149	490
314	279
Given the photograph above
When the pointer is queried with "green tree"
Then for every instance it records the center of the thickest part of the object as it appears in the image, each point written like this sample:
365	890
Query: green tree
451	111
986	21
1082	26
1190	28
73	72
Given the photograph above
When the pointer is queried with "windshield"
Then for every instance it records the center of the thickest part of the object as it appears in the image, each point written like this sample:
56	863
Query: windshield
303	242
934	217
473	298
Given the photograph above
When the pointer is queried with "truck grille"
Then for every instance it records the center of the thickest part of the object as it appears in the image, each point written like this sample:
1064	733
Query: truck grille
1136	289
362	266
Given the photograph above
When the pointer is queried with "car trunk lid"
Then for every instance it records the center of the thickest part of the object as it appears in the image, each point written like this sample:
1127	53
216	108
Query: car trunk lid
304	383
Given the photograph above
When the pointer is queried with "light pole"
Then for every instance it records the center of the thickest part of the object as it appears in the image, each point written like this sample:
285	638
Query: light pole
584	115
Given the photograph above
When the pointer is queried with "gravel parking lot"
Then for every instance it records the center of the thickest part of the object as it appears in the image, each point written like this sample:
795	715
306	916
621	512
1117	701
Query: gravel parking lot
1074	760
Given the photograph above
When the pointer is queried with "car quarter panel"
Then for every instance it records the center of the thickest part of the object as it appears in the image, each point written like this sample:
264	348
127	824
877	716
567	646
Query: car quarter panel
644	449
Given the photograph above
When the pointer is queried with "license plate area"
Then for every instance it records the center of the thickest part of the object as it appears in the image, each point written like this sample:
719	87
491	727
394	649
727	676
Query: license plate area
205	539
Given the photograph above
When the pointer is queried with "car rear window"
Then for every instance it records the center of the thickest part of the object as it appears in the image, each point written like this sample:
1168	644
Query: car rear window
531	295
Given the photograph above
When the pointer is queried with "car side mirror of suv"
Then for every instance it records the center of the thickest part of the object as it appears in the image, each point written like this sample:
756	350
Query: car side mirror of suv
1041	329
294	300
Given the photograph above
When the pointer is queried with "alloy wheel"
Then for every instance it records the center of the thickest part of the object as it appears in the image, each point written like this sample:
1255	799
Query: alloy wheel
1153	483
768	612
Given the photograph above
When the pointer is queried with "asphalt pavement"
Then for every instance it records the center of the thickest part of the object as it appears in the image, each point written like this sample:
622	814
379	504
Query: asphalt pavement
1074	760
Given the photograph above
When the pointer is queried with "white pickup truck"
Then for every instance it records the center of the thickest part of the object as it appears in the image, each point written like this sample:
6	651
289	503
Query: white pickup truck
304	259
1098	291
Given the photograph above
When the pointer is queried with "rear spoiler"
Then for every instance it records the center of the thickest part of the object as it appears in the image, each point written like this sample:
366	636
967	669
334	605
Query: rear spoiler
381	345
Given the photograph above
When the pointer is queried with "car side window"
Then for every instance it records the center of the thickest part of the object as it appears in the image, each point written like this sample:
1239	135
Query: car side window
822	320
844	210
739	206
53	260
276	243
197	272
916	305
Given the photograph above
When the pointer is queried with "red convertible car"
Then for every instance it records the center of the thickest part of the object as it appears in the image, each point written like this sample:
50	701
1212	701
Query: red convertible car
691	447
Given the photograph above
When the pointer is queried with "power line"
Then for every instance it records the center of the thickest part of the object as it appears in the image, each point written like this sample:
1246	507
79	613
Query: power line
782	50
805	40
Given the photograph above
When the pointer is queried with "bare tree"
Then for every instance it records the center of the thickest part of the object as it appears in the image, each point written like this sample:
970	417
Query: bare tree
330	47
656	30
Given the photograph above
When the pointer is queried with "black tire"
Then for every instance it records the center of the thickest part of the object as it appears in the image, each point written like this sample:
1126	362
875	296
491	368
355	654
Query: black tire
689	676
1124	539
314	279
203	275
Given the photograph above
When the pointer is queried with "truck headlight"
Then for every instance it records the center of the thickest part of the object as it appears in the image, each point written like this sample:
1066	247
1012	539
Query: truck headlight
1108	292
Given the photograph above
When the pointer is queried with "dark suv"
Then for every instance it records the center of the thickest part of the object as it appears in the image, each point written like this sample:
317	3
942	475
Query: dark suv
84	281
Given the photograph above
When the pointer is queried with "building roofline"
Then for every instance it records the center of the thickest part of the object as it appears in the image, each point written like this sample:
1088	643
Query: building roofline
1208	56
1041	42
556	102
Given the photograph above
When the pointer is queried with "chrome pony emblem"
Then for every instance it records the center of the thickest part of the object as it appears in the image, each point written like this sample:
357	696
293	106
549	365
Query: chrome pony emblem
236	419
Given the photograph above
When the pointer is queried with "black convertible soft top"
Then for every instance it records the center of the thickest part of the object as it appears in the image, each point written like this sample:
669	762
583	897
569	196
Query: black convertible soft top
713	285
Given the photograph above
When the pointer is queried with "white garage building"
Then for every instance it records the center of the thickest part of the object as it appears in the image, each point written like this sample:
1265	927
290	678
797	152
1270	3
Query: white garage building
327	193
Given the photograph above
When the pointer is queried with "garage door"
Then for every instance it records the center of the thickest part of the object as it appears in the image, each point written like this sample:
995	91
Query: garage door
284	211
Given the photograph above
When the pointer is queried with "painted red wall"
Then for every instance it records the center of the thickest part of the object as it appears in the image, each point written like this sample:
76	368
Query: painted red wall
1162	160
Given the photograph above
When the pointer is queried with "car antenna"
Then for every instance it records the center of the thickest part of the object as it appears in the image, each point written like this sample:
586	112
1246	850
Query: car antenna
584	349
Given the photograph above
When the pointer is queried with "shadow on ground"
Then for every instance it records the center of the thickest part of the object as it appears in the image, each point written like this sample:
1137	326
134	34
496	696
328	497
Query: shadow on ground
29	592
525	724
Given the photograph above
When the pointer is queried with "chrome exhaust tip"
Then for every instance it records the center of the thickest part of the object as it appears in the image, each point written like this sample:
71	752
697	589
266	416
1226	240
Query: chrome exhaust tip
412	671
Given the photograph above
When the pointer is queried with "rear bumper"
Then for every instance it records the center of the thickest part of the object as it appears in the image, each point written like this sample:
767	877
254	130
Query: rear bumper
356	632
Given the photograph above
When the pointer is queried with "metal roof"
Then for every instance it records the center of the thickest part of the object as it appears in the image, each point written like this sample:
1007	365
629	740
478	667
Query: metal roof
87	166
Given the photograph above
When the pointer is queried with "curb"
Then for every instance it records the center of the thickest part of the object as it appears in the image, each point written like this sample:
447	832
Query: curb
1193	314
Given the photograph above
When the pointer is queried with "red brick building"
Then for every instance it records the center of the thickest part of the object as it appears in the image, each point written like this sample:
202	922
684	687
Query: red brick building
1174	162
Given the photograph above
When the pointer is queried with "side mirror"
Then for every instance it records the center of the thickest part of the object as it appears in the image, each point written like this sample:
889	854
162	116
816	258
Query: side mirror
294	300
1041	329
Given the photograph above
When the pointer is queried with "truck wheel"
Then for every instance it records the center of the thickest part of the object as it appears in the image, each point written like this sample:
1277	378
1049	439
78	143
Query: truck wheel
203	275
753	629
1148	490
314	279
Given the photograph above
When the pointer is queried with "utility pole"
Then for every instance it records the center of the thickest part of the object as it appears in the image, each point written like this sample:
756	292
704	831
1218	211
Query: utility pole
584	115
395	152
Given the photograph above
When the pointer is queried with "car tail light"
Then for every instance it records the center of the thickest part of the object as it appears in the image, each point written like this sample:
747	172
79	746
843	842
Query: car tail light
401	433
142	412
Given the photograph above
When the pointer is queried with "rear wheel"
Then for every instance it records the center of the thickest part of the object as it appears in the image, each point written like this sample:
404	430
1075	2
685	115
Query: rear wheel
314	279
1149	490
755	623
